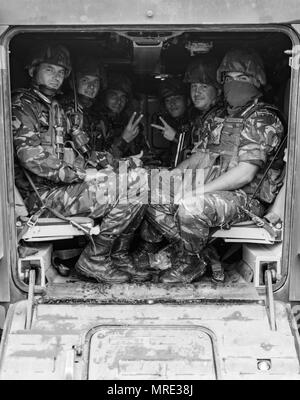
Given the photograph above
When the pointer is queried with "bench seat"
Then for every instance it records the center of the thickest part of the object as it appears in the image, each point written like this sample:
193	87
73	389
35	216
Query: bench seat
47	229
245	232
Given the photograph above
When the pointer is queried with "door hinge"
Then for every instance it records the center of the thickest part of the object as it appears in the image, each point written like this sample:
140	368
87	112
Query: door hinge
294	60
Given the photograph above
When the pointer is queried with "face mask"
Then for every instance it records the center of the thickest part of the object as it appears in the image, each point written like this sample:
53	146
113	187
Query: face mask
238	93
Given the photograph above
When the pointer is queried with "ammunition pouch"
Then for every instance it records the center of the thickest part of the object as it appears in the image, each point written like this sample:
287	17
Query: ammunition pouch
271	185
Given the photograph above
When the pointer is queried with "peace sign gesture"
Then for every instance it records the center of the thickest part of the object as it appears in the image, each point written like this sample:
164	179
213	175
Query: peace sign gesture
132	128
168	132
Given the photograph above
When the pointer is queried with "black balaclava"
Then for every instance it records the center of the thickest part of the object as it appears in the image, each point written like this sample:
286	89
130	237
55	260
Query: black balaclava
237	93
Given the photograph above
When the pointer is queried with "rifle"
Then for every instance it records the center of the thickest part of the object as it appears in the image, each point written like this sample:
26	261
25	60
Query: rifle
179	147
258	221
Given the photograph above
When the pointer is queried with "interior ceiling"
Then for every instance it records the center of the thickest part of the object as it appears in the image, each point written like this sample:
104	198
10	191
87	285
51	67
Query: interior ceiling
142	53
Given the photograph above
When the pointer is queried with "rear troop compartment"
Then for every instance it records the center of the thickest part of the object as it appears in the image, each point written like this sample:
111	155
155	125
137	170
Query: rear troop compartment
148	57
71	328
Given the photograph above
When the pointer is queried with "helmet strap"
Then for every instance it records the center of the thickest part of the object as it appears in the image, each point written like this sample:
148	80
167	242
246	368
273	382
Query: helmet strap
44	89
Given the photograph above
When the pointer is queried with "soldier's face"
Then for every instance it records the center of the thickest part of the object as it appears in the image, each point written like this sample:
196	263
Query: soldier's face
175	105
88	86
238	76
49	75
203	96
115	100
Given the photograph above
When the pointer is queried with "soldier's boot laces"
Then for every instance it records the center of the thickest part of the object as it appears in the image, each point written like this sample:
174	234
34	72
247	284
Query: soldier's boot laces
125	262
186	268
95	262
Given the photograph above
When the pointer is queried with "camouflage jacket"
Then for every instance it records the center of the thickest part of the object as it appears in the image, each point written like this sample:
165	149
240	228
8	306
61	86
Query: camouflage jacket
92	127
91	123
198	119
109	139
251	135
180	125
40	131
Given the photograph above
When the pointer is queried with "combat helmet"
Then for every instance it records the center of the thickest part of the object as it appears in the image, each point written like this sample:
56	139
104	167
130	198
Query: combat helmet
243	60
52	54
88	66
172	87
117	81
91	66
203	69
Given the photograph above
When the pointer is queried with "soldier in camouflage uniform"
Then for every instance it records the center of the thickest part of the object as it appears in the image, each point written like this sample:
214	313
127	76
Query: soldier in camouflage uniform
241	143
86	81
174	119
121	136
41	132
205	93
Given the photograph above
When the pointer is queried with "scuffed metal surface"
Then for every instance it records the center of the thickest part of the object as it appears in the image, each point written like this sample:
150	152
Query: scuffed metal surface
130	353
242	334
236	316
234	289
107	12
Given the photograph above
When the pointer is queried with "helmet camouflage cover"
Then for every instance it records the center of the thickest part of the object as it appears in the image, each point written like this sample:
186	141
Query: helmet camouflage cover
245	61
117	81
91	66
172	87
52	54
203	69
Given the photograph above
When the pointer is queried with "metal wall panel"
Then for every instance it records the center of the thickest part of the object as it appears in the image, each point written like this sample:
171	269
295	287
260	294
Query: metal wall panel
93	12
293	179
4	247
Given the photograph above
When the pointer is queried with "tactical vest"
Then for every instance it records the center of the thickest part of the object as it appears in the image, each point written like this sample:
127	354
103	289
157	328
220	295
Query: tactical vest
197	130
51	123
90	121
224	139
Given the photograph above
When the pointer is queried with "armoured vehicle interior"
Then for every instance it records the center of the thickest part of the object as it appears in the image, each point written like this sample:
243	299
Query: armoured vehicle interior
148	57
63	326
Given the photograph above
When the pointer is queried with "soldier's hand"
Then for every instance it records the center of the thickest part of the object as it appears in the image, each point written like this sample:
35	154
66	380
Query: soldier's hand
93	174
132	129
168	132
136	159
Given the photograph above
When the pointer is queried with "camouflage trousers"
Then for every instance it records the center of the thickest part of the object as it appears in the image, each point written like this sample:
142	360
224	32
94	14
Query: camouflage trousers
119	210
190	221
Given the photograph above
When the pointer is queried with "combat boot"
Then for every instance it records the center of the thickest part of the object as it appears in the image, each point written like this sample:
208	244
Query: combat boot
124	261
142	254
186	268
95	261
212	259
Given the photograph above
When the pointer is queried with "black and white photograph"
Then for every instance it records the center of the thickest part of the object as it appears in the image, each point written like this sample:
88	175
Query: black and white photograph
149	193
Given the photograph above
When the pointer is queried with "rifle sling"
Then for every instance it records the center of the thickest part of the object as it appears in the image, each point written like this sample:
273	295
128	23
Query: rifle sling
53	211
